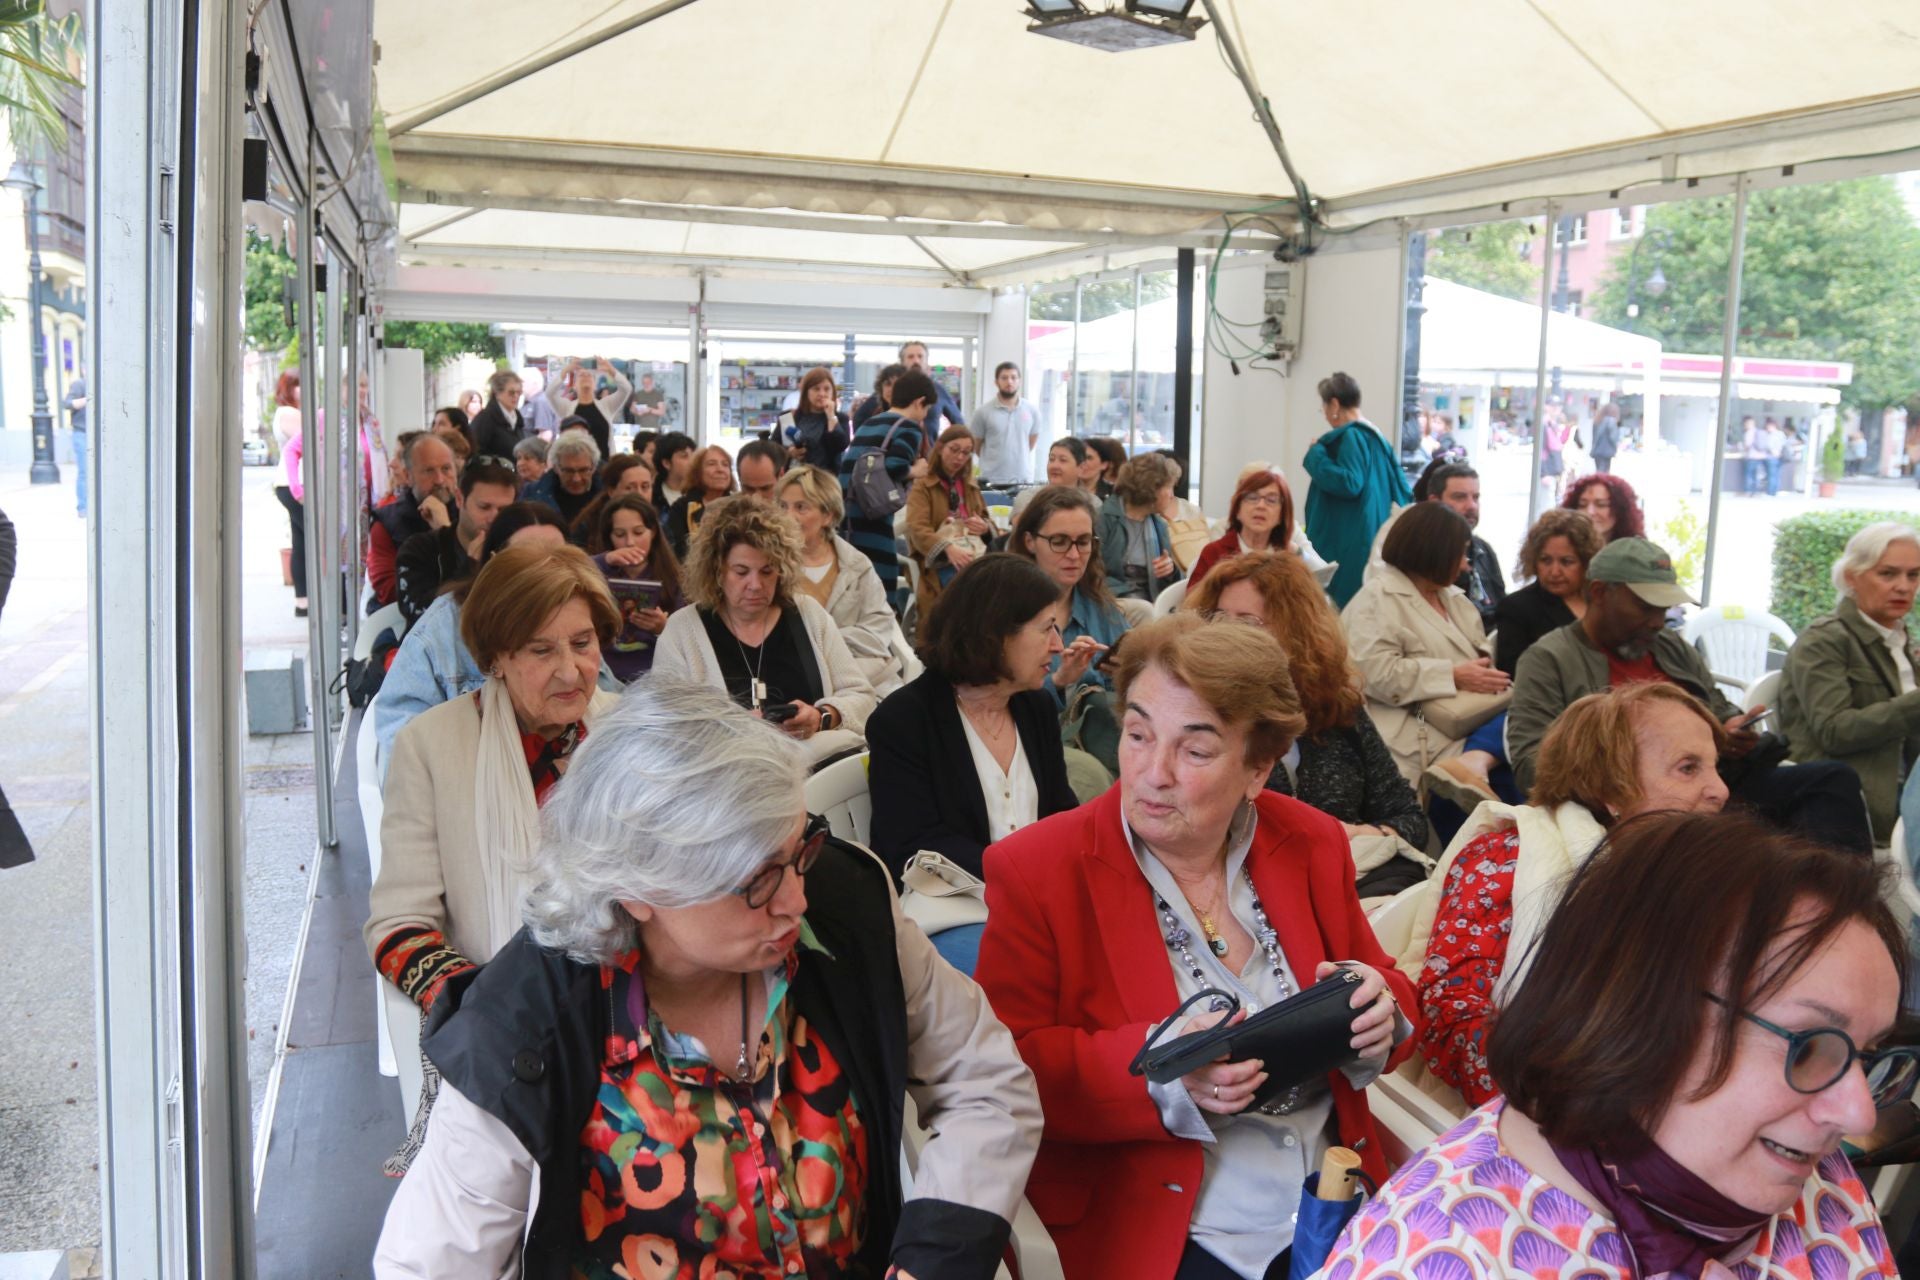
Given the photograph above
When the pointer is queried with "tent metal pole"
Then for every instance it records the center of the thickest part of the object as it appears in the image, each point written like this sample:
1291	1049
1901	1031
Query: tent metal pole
318	586
533	66
1133	373
1729	335
1184	275
1073	363
1263	111
1540	373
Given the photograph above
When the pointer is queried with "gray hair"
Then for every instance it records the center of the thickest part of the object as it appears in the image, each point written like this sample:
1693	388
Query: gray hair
677	796
571	443
1865	548
531	447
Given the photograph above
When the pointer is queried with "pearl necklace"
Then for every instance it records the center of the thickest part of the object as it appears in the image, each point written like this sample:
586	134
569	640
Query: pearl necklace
1179	939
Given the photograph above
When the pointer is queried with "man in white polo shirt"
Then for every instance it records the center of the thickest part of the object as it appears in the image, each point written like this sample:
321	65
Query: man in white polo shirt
1008	428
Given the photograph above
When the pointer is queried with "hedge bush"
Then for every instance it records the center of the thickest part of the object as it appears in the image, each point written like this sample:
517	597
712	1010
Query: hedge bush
1804	549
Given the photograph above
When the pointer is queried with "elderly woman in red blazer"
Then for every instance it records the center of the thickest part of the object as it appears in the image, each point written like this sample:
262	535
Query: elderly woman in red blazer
1188	874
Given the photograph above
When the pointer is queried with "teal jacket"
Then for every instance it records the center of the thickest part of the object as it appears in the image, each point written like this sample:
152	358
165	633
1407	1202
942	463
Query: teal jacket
1357	482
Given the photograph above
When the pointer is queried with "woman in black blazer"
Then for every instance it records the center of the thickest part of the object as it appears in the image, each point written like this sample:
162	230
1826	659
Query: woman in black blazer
970	751
1555	555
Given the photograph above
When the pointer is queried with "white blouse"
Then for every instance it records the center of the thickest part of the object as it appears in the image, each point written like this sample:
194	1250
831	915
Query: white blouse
1013	797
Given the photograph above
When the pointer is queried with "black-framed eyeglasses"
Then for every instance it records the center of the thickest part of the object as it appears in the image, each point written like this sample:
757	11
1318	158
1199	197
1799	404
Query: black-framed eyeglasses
1065	542
1817	1058
766	882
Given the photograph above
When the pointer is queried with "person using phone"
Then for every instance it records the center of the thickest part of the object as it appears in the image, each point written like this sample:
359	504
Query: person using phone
748	631
1188	875
628	546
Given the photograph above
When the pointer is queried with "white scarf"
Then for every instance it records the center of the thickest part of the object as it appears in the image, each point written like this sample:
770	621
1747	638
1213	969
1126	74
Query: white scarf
506	817
1553	845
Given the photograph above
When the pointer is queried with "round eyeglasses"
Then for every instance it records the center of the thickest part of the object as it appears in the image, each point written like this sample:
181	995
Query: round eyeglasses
766	882
1818	1057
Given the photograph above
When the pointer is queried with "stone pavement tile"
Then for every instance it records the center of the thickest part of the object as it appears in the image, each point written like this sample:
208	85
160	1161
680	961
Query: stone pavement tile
49	1178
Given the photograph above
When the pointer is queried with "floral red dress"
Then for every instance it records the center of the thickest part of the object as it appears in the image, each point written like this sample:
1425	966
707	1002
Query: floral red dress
688	1175
1465	954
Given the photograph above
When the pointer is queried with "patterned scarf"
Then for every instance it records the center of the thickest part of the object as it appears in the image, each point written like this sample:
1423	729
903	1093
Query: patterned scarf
1671	1220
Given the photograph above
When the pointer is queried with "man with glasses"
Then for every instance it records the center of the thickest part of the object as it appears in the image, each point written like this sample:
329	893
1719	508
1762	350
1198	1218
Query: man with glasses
426	504
574	477
429	560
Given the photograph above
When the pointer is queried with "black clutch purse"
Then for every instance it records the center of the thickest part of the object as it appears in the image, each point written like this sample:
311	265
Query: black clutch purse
1300	1039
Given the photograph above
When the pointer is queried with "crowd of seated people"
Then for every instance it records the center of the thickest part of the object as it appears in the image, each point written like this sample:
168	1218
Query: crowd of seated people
596	843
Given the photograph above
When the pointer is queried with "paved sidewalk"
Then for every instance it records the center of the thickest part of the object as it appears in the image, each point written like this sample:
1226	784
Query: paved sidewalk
49	1122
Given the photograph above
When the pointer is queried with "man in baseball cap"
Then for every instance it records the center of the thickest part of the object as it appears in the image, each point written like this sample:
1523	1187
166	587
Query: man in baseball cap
1624	639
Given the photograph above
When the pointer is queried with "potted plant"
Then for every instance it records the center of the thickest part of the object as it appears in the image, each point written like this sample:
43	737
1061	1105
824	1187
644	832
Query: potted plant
1833	462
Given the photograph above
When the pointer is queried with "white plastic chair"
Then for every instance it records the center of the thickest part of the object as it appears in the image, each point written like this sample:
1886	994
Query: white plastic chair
1169	600
910	664
387	616
838	793
1393	920
1733	639
1764	692
1034	1252
397	1019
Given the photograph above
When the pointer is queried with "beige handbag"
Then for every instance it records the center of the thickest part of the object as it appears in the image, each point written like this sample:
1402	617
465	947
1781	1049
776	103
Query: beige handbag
954	534
1459	714
1189	538
939	894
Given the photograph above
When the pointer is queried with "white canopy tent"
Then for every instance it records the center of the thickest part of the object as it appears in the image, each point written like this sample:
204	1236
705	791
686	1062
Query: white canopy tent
937	142
1469	330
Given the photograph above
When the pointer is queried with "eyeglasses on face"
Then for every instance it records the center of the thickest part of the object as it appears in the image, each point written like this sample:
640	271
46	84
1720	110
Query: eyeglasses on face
1817	1058
1261	500
1221	615
765	883
1061	543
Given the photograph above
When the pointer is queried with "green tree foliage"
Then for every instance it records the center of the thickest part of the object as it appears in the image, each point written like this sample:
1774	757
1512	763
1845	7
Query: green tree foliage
1101	298
40	59
1831	271
1490	257
440	342
270	268
1804	549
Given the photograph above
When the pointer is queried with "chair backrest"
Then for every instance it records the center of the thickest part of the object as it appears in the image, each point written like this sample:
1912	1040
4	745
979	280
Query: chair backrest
1764	692
1393	920
387	617
1733	640
838	793
910	664
1169	600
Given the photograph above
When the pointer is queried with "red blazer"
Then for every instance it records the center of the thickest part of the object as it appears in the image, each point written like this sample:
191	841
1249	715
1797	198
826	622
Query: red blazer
1224	547
1075	965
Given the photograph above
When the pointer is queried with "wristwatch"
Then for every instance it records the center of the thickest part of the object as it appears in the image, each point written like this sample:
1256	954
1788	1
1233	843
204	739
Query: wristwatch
829	718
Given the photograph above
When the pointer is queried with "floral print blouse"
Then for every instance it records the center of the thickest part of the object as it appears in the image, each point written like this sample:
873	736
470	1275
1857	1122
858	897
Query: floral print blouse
687	1174
1464	1208
1465	954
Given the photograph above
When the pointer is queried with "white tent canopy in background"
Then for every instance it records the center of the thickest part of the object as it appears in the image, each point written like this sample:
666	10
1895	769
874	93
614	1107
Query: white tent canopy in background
938	142
1469	329
1110	341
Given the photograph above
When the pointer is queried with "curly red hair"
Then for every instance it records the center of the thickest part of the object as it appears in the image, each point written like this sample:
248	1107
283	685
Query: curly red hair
1628	520
1302	619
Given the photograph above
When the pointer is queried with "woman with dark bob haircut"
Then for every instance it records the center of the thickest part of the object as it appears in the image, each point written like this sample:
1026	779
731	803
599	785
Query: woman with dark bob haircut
1703	1021
970	751
1417	639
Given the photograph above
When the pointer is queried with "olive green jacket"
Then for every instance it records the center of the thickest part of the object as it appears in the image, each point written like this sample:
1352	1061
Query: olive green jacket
1840	700
1562	667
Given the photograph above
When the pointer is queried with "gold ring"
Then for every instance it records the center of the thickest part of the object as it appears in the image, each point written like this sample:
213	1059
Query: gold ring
1216	1093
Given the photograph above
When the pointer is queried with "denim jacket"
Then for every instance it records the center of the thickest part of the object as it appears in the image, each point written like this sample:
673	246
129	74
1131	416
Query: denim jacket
432	667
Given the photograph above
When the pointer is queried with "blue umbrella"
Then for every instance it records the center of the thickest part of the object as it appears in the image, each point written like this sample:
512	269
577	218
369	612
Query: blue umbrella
1320	1222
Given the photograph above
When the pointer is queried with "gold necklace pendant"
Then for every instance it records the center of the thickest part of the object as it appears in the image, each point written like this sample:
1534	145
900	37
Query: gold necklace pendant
1215	943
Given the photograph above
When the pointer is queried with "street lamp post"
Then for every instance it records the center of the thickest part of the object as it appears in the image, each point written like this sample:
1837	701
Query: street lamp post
1564	229
22	179
1656	282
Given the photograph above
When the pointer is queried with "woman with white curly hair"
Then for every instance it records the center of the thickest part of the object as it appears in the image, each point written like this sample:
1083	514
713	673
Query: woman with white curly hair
693	1059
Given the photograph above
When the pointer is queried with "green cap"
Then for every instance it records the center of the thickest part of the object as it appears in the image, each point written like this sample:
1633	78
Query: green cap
1645	568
